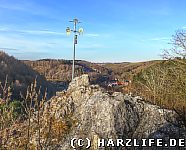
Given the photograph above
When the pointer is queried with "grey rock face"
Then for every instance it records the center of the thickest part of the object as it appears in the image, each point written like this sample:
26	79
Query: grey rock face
99	115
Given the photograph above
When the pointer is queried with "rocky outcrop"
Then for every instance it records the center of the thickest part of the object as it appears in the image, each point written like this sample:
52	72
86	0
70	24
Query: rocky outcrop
99	115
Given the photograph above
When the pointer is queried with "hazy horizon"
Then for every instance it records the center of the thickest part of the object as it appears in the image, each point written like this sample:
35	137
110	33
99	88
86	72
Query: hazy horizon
101	62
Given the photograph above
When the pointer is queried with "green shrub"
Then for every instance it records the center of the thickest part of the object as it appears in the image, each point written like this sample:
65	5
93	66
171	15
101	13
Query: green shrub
17	109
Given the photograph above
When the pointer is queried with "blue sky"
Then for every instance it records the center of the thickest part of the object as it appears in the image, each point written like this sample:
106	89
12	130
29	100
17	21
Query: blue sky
114	30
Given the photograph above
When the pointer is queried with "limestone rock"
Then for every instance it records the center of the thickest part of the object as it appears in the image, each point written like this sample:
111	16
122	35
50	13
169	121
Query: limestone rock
88	111
101	115
79	81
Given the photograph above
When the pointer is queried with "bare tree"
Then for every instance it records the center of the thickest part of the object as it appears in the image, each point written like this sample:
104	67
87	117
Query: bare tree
179	46
177	55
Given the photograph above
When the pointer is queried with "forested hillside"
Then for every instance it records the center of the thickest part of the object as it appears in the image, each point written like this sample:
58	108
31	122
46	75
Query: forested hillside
61	70
18	76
